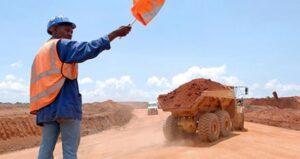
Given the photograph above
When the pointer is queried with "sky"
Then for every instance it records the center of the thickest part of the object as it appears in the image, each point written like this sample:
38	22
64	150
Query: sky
252	43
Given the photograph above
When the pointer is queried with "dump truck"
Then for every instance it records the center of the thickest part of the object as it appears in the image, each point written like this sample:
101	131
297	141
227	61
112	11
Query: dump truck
152	108
212	115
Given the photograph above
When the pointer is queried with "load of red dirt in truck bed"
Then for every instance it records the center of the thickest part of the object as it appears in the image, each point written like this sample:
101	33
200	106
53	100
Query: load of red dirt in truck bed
185	95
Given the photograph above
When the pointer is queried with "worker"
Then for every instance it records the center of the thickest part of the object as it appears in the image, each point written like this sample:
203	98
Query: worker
54	92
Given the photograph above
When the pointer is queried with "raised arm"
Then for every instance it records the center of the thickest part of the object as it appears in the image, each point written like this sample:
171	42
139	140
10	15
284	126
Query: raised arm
77	52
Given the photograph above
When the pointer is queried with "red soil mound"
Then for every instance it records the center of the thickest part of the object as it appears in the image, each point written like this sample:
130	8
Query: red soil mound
18	129
186	94
270	115
282	112
284	102
101	116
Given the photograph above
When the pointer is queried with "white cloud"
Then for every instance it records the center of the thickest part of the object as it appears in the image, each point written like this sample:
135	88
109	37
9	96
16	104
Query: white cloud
124	88
115	83
231	80
291	87
221	75
17	64
9	77
255	86
11	83
13	89
214	73
159	82
85	80
119	89
272	84
159	85
218	74
284	89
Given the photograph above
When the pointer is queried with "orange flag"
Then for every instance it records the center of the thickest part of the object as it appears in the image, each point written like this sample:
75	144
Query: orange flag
145	10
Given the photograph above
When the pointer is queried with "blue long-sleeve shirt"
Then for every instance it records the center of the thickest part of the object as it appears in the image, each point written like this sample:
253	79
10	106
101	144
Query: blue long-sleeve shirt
68	103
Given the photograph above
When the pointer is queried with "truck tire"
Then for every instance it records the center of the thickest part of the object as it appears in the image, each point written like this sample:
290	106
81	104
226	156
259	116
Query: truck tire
170	128
208	127
239	121
225	122
242	121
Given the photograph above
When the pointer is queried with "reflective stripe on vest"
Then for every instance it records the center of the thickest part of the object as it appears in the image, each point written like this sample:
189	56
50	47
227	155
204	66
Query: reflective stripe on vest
48	75
48	91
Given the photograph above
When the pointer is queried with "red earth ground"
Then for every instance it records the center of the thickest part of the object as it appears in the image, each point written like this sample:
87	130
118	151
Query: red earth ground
142	138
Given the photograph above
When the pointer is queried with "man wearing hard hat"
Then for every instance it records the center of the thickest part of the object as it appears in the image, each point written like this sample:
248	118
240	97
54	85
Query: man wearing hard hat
54	93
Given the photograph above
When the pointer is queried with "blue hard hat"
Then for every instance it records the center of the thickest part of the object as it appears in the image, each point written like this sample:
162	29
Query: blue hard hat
59	20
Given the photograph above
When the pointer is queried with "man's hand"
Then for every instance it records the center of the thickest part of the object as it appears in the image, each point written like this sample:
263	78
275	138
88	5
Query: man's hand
121	32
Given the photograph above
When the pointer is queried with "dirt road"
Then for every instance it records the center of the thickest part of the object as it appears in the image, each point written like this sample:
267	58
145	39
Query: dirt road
142	138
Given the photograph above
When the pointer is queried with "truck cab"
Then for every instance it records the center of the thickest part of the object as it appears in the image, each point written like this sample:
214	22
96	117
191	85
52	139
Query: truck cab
240	93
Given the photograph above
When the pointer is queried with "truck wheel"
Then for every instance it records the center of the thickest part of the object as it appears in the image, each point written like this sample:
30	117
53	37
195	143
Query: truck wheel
209	127
243	121
239	121
170	128
225	122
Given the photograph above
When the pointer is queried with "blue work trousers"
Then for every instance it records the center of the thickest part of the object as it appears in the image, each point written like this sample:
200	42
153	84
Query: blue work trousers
70	136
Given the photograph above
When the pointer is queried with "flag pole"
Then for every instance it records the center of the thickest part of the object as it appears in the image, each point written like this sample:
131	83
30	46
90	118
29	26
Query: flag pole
131	24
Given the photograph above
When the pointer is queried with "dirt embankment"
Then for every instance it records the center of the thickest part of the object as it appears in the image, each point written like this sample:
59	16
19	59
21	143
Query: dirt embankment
100	116
18	129
186	94
283	102
282	112
274	116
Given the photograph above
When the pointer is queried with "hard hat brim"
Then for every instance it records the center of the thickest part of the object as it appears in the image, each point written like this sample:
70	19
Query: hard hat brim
62	23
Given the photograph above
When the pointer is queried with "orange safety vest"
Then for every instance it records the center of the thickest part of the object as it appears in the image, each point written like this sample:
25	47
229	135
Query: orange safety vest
48	74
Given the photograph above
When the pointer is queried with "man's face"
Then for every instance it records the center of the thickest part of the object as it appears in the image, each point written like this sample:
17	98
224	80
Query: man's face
63	31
